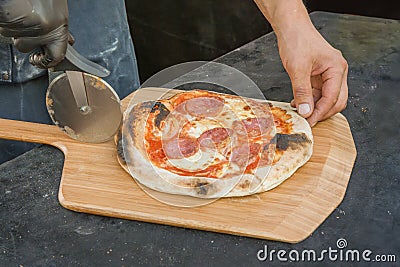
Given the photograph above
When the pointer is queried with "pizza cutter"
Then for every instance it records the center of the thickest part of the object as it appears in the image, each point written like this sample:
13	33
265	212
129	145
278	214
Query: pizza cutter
82	104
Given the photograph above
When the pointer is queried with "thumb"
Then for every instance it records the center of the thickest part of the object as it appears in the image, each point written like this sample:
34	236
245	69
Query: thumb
54	48
302	91
55	51
52	54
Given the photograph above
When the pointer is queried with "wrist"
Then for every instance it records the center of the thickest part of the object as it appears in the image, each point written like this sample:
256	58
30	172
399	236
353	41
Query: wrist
286	17
291	18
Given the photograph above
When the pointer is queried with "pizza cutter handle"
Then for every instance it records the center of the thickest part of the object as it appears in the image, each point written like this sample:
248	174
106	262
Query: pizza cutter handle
32	132
74	61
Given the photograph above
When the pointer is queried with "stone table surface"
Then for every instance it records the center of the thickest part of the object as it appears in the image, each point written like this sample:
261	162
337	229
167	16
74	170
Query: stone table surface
36	231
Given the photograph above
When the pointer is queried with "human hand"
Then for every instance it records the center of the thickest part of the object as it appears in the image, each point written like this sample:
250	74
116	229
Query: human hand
37	24
318	73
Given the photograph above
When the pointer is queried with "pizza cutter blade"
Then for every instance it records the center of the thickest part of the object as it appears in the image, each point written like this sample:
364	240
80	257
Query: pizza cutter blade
84	106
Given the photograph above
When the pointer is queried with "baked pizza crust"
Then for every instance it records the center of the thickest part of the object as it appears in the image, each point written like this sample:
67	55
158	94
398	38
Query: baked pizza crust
296	153
293	158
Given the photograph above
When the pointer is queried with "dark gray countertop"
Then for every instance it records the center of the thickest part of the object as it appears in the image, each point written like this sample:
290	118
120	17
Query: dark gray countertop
36	230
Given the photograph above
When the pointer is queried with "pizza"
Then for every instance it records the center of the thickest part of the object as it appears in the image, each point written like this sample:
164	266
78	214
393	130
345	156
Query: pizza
210	145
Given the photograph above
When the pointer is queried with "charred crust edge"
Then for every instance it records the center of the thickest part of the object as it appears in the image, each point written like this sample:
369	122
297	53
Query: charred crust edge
163	112
285	141
202	187
120	149
138	111
293	141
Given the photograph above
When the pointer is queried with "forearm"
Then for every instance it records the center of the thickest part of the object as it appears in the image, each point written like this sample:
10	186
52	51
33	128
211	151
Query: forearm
285	16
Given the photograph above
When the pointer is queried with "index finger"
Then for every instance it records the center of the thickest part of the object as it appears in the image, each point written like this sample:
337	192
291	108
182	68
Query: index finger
332	83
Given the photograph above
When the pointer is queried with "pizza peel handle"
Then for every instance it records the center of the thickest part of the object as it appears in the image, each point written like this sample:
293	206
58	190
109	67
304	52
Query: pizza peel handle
32	132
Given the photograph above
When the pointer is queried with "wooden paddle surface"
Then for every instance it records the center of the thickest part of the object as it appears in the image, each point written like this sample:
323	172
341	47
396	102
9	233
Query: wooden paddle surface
93	182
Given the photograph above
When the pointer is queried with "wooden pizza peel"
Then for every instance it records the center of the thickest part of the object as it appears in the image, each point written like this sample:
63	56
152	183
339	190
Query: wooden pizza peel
93	182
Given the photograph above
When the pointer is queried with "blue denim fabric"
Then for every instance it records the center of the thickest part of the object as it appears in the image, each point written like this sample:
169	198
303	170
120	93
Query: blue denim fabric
5	63
102	35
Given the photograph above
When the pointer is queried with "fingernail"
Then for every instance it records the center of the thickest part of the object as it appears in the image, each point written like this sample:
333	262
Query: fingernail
304	109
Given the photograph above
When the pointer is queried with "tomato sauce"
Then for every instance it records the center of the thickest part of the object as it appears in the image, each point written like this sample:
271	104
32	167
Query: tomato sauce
156	154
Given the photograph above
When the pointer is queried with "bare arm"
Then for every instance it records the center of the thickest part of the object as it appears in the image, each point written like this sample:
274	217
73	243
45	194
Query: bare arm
318	71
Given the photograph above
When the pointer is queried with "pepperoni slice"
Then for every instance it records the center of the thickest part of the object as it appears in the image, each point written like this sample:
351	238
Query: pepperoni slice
245	154
210	138
204	106
253	127
178	148
181	108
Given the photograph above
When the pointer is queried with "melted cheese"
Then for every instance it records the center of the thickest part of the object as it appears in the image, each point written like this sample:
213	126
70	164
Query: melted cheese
237	109
202	125
212	162
234	110
199	161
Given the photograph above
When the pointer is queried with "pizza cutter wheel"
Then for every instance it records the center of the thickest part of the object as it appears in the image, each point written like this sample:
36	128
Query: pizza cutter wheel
84	106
